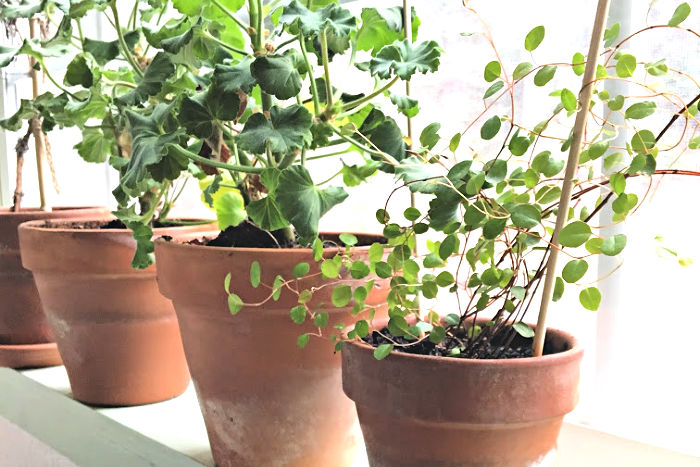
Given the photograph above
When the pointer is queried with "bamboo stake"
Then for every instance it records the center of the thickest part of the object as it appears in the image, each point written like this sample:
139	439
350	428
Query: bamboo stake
39	146
571	167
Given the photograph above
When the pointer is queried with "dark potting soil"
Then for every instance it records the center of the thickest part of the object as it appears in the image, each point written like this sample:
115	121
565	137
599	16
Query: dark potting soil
502	346
248	235
97	225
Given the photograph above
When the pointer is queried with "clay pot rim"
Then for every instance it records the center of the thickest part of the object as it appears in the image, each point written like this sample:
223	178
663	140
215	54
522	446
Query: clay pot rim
5	211
180	243
40	225
558	358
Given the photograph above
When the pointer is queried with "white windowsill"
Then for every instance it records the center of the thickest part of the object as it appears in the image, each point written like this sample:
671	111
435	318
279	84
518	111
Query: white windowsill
178	424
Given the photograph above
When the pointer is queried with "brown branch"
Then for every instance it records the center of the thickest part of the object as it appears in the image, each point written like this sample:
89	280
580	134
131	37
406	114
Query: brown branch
21	149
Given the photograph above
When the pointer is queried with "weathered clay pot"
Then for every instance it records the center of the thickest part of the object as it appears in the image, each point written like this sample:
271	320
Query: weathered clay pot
117	335
25	338
264	400
419	410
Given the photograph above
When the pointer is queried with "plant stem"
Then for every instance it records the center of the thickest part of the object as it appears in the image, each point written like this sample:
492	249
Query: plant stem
381	154
55	83
314	91
80	32
35	125
220	165
357	102
230	14
146	218
330	178
225	45
132	19
326	73
122	42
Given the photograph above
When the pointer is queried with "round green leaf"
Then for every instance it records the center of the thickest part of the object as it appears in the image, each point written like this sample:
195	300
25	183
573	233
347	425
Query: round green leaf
298	314
640	110
302	340
625	66
300	270
524	330
382	351
521	70
643	141
534	38
341	295
574	234
491	127
525	216
330	268
590	298
494	227
411	214
493	89
492	71
359	270
545	74
578	63
348	239
227	283
558	289
568	100
234	303
574	270
612	246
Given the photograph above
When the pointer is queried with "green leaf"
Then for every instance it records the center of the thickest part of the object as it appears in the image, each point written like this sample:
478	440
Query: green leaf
234	303
330	268
383	269
658	68
518	145
545	74
679	15
149	143
496	170
300	270
255	274
405	59
288	129
574	270
385	134
94	145
574	234
321	320
494	227
590	298
230	208
298	314
277	287
578	63
548	194
429	137
491	127
317	249
612	160
448	246
616	102
597	149
359	270
303	340
525	216
348	239
276	75
158	71
82	71
625	66
534	38
493	89
618	183
265	213
303	203
612	246
338	23
406	105
521	70
558	289
380	27
492	71
227	283
341	295
524	330
640	110
376	252
411	214
568	100
518	292
611	34
382	351
694	143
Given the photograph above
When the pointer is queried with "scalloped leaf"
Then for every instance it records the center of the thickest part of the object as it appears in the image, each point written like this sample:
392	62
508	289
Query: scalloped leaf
404	59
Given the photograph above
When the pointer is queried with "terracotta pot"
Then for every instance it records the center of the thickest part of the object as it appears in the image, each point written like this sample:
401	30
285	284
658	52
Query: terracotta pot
25	338
117	335
264	400
419	410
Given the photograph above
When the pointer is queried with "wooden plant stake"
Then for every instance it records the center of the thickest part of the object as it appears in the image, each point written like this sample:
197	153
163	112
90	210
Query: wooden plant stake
571	167
35	126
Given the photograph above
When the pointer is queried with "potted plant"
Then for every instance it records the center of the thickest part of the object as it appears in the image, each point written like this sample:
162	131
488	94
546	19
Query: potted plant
94	299
441	386
25	337
257	122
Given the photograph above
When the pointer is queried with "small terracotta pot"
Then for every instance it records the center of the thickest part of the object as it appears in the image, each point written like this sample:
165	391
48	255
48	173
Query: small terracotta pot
264	400
419	410
118	336
25	338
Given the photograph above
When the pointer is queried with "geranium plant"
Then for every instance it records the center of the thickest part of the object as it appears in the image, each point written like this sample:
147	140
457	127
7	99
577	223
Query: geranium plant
489	225
258	102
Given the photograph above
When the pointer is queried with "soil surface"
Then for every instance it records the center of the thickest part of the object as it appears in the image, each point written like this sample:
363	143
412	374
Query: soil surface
98	225
248	235
507	344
